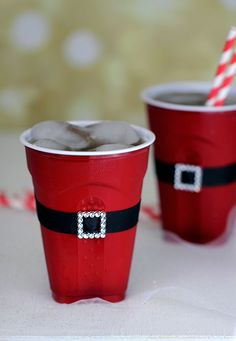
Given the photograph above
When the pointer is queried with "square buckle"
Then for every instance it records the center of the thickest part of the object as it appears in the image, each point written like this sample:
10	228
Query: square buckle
84	232
195	172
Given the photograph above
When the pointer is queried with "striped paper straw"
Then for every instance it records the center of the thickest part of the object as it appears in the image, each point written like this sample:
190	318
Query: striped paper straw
229	77
222	66
25	201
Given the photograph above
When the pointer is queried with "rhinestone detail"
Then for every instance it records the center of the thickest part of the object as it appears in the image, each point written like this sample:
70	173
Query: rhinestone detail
195	170
92	214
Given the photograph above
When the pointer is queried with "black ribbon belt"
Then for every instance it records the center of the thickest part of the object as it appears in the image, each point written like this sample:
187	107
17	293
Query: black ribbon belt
93	224
193	178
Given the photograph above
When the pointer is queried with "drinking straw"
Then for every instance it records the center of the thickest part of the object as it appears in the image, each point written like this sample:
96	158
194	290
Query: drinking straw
20	202
226	85
222	67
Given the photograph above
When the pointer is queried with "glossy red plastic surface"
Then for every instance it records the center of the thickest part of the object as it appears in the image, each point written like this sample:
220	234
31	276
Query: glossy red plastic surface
86	268
205	139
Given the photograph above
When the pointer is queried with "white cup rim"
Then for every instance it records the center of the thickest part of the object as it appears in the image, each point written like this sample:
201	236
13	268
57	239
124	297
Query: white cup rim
148	95
147	135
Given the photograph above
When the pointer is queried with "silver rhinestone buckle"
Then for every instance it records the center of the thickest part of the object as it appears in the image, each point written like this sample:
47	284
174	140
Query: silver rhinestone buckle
178	181
92	214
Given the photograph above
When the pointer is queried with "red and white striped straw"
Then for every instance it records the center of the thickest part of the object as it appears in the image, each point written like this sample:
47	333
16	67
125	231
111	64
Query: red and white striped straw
25	201
222	67
229	77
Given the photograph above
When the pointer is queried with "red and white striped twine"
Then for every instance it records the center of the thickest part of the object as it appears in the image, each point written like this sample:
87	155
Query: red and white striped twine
26	202
225	72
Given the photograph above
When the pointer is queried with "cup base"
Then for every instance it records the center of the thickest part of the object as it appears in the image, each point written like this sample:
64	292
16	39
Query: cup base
192	238
72	299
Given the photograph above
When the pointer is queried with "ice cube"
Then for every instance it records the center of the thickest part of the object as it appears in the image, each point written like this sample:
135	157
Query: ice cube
69	135
114	146
109	132
46	129
47	143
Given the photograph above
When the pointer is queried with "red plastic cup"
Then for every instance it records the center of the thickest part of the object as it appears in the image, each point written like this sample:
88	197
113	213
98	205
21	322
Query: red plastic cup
71	182
195	161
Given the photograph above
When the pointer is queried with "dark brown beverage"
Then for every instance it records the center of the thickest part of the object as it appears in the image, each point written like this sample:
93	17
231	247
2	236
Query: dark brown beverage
189	98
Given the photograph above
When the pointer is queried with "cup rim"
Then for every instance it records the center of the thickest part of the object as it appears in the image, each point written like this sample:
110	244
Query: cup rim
147	135
148	94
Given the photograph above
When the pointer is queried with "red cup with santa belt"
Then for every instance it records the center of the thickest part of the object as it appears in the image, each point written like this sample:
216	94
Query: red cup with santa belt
88	204
195	158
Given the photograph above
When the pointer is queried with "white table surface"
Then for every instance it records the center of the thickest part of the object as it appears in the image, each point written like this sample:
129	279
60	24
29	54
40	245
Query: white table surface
175	288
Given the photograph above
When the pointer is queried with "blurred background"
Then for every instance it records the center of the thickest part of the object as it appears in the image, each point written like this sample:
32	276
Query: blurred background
89	59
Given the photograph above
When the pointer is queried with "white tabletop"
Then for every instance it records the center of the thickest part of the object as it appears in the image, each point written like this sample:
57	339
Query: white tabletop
175	288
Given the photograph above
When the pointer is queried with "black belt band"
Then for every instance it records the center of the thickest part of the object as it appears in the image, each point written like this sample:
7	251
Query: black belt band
185	174
67	222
